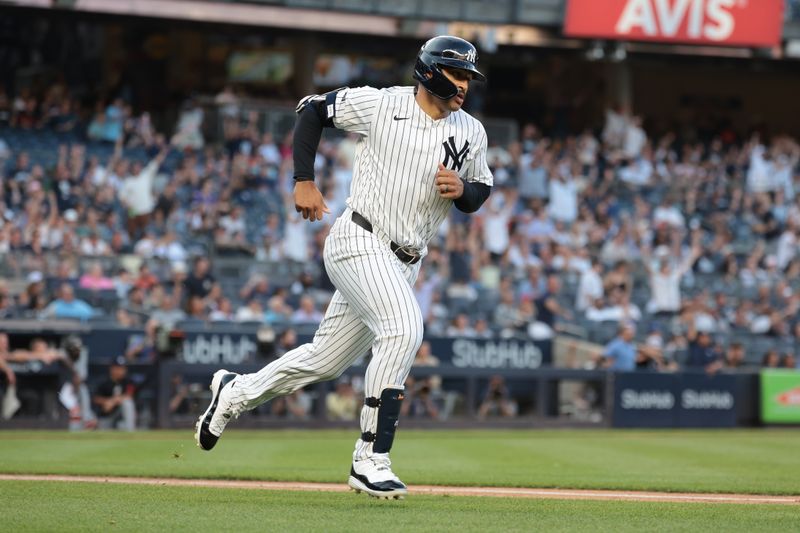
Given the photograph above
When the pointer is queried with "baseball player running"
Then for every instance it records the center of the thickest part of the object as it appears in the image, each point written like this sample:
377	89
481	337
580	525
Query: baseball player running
418	153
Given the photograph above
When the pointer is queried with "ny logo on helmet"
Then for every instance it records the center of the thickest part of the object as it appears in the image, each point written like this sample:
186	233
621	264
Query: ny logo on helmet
469	55
451	152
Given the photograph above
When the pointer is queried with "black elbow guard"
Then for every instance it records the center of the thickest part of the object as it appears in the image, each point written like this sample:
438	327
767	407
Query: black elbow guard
474	196
314	113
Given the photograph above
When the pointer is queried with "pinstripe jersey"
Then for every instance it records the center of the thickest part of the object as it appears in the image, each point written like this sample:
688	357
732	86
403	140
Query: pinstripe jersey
397	158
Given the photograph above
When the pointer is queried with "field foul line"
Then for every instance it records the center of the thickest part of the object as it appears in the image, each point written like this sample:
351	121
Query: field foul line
498	492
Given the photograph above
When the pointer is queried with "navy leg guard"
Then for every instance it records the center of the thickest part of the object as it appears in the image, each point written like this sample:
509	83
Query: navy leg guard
388	413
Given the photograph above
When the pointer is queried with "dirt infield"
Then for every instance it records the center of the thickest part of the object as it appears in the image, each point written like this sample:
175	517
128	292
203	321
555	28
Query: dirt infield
497	492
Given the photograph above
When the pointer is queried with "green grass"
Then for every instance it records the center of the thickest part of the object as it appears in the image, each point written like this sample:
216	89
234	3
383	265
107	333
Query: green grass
49	506
750	461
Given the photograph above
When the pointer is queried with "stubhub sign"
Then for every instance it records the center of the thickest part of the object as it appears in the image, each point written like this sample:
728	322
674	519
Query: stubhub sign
674	400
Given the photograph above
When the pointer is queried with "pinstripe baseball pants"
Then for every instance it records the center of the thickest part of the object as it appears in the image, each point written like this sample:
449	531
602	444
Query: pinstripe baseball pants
374	305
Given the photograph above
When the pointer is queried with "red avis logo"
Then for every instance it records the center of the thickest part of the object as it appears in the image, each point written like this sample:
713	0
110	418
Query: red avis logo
704	19
789	397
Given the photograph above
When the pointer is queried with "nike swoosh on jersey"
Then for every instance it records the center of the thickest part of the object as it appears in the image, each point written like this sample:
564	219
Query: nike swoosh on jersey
401	118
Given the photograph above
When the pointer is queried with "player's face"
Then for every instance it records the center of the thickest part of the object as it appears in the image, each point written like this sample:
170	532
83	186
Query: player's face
461	79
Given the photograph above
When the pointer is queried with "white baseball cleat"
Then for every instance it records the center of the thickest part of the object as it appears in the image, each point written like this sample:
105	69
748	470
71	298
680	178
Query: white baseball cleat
212	423
374	476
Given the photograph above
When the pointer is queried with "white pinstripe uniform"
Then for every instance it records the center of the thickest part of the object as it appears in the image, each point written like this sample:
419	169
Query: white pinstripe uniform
393	187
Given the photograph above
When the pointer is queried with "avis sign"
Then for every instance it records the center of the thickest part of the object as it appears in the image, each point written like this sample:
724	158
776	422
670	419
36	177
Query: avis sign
752	23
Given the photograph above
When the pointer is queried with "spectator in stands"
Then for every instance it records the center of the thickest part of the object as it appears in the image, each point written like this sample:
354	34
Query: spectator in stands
95	280
168	314
665	281
278	311
200	281
497	400
341	403
92	245
507	315
481	329
771	359
251	312
256	287
548	308
142	348
34	297
619	278
704	353
146	280
135	302
296	406
179	402
788	360
170	248
136	193
419	402
223	311
307	312
734	356
590	287
67	306
114	398
621	353
460	327
287	341
196	309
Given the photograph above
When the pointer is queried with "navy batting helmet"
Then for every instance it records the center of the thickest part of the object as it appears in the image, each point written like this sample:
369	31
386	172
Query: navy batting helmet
445	51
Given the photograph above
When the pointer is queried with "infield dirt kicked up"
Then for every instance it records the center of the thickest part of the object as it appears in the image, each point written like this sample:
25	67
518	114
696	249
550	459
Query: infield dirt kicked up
504	492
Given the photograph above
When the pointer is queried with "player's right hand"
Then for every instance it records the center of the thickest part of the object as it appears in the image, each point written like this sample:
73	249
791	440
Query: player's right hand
308	200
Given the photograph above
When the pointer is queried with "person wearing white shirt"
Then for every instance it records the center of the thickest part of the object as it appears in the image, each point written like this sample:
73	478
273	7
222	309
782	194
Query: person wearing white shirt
495	224
136	194
233	223
563	204
252	312
787	245
665	282
590	287
268	151
170	248
635	138
93	246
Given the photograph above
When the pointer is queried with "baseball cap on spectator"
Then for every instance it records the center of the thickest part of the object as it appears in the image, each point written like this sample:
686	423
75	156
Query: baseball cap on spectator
119	361
70	215
179	267
35	277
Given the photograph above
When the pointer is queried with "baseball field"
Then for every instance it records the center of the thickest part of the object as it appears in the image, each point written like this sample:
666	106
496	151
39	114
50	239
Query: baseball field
713	466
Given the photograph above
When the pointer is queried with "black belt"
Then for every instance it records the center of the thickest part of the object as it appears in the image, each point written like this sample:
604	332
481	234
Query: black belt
401	254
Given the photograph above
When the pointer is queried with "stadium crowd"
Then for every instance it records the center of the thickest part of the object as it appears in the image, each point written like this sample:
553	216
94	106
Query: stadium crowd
669	239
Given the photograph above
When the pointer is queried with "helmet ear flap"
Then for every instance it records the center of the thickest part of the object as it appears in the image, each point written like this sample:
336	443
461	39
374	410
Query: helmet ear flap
431	77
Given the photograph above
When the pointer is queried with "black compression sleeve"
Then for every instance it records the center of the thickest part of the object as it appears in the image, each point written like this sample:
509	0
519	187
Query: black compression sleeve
307	133
474	196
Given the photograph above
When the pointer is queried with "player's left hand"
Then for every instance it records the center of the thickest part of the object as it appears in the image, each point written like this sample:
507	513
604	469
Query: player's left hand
448	183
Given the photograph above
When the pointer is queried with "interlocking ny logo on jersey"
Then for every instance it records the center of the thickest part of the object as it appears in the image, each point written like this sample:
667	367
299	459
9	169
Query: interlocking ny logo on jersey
451	153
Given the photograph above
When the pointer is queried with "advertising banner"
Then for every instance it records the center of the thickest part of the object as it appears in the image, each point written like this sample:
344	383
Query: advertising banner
238	346
751	23
706	401
674	400
780	396
644	400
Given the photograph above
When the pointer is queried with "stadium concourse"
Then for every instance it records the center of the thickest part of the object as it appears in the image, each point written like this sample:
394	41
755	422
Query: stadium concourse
690	231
